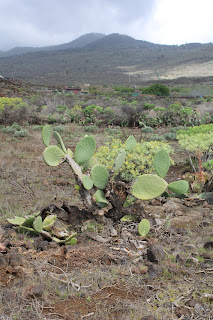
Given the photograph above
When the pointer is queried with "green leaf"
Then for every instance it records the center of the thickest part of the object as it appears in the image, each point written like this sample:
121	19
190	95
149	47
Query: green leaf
179	187
49	221
144	227
37	224
161	163
85	149
46	135
148	186
130	143
129	217
53	156
87	182
69	153
60	141
29	221
100	176
18	221
100	198
120	160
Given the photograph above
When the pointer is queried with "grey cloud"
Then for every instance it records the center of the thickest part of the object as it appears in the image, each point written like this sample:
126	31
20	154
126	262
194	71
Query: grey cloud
39	22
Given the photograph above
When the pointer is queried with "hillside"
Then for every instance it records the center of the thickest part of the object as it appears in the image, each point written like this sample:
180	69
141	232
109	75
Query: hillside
77	43
112	59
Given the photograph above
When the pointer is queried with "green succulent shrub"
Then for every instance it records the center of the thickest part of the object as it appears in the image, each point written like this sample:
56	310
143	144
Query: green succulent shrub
35	225
96	173
147	129
157	89
198	142
137	161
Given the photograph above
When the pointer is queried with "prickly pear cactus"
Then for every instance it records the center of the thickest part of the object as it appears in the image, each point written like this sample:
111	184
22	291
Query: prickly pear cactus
49	222
18	221
161	163
84	150
120	160
148	186
53	156
130	143
46	135
144	227
100	198
179	187
100	176
60	141
87	182
37	224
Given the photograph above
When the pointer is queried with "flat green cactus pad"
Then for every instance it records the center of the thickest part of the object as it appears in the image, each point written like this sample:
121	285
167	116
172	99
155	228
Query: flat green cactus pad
53	155
85	149
87	182
161	163
49	221
99	175
100	198
120	160
148	186
72	241
69	153
144	227
18	221
37	224
46	135
129	201
60	141
179	187
130	143
29	221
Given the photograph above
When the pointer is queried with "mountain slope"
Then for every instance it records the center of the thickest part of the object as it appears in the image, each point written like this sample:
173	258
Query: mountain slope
113	59
77	43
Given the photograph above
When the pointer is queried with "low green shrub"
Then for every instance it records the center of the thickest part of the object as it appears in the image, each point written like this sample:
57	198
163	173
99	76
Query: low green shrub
138	161
157	89
147	129
170	136
91	128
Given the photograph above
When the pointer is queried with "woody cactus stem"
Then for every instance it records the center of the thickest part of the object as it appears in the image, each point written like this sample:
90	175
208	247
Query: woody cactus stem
201	175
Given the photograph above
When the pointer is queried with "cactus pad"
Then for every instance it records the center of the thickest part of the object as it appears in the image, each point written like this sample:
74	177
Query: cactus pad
148	186
29	221
144	227
100	198
46	135
161	163
37	224
99	175
18	221
69	153
53	156
84	149
60	141
130	143
179	187
120	160
87	182
49	221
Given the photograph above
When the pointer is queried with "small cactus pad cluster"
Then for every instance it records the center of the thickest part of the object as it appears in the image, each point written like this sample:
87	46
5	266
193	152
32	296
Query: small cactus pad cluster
146	187
144	227
34	225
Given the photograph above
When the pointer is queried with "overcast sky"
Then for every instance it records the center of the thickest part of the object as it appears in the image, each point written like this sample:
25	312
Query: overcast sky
50	22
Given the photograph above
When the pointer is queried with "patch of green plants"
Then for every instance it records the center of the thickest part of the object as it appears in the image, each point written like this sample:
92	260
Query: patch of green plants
157	89
147	129
170	136
91	128
16	130
34	225
97	183
138	161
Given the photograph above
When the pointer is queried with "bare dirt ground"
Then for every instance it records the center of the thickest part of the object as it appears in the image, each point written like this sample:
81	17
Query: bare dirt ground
113	274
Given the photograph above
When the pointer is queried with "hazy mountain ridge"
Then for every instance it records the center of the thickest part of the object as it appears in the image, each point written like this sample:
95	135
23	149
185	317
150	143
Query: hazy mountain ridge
110	59
77	43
